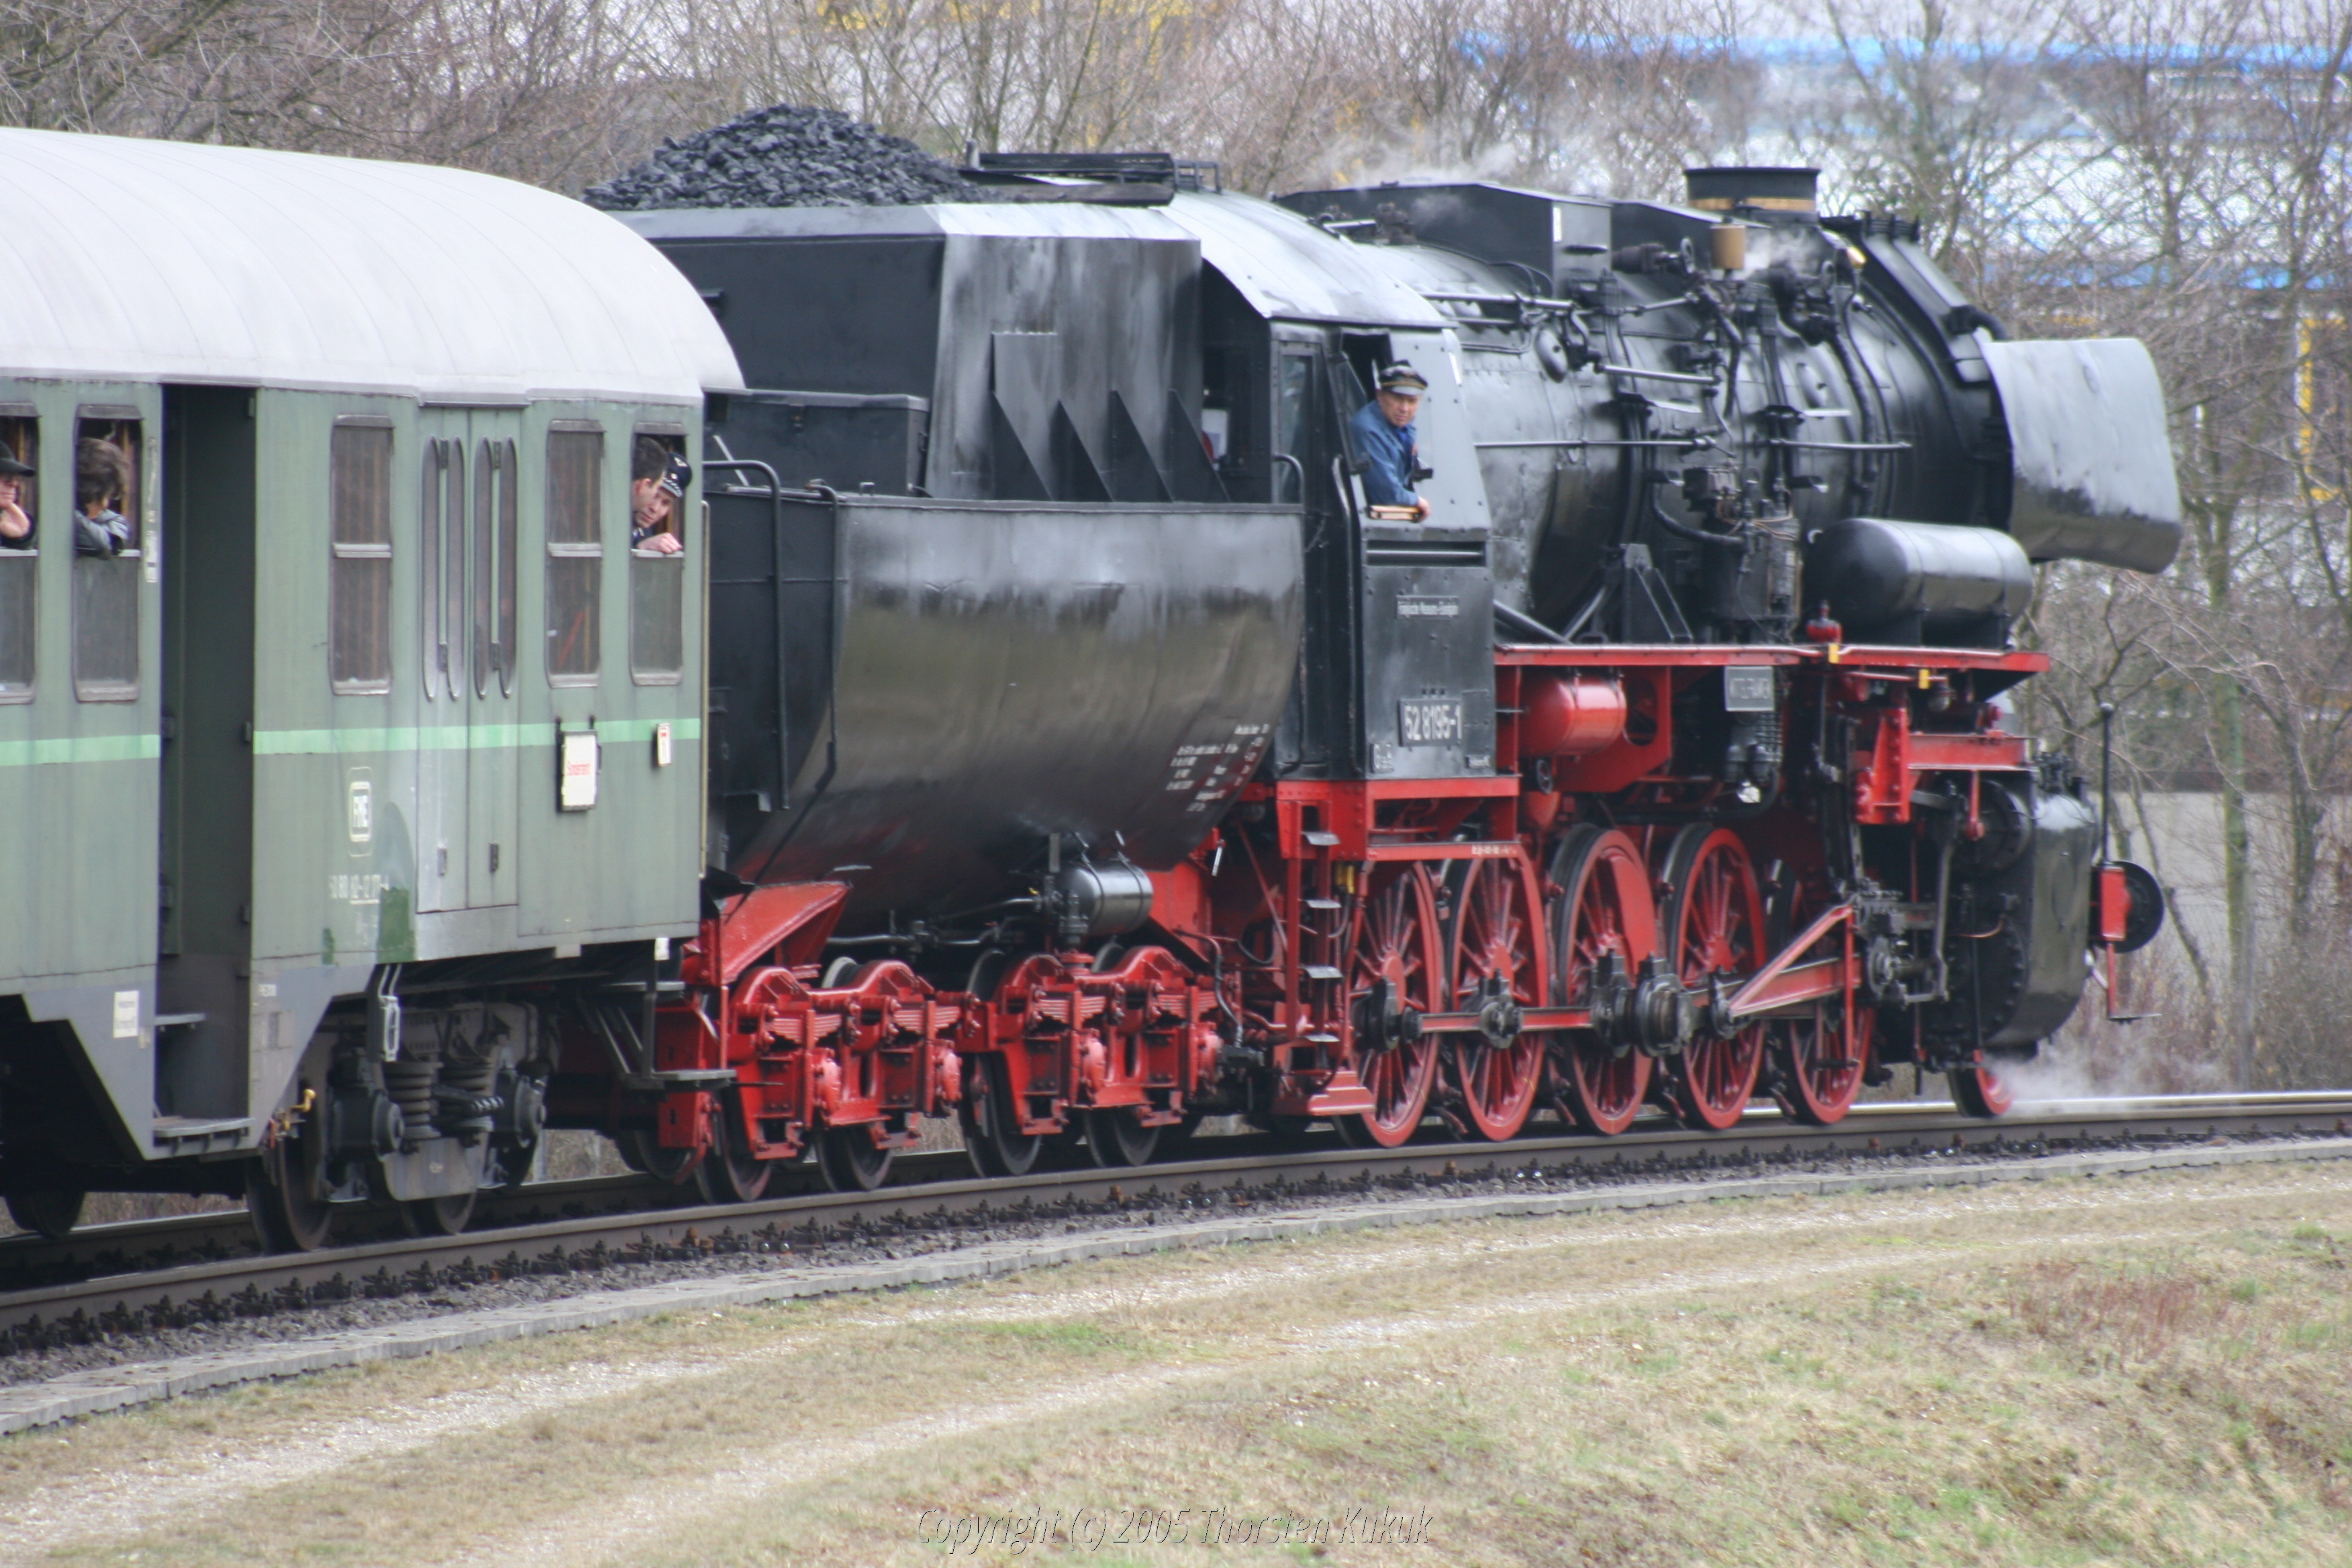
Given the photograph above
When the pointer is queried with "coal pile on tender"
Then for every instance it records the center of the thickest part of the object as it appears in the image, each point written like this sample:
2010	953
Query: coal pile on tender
784	157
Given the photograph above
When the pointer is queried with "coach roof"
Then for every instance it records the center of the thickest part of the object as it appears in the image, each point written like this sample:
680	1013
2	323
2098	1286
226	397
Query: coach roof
170	261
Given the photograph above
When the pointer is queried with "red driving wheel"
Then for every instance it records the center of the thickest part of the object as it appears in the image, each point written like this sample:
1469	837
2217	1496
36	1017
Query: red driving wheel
1498	957
1603	908
1713	925
1821	1069
1393	967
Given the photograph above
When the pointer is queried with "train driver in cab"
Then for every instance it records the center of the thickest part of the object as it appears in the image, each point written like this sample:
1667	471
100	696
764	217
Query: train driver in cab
1387	443
658	479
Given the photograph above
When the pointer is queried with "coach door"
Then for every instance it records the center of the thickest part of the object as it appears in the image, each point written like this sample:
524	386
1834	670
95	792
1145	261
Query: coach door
467	767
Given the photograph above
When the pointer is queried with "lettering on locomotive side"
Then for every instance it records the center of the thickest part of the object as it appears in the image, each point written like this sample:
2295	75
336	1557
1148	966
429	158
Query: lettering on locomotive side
1427	607
1429	720
1210	770
1748	688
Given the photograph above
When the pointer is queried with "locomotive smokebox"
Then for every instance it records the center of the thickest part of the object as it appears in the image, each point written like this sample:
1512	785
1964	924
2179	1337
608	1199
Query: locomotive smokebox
1759	189
1889	581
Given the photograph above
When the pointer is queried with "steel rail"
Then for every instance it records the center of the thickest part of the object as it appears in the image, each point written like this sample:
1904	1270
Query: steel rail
1872	1129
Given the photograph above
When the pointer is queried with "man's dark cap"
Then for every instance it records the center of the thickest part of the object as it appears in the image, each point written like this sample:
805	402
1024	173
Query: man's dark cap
678	476
1402	377
11	468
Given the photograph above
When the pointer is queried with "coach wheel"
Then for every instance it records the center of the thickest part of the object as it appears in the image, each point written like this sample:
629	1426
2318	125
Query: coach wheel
439	1216
1984	1089
1819	1069
1115	1138
853	1158
51	1214
1392	980
1498	970
991	1131
1713	925
286	1190
1602	912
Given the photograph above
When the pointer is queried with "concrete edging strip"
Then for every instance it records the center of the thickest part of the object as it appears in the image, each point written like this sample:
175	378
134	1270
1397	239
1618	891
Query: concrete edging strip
125	1387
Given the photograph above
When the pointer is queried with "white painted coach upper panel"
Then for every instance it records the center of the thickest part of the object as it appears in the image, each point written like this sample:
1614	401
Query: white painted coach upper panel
171	261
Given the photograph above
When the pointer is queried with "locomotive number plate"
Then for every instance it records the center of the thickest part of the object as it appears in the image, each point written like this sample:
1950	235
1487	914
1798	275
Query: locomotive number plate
1429	720
1748	688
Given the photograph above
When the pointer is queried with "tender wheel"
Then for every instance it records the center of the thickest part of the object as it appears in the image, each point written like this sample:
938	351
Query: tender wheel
992	1137
50	1214
1819	1069
1392	979
853	1158
286	1191
643	1152
439	1216
1498	970
1713	925
1602	917
1983	1091
1115	1138
729	1173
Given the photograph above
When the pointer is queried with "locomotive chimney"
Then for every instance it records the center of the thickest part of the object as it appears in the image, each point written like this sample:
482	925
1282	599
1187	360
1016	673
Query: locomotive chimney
1764	191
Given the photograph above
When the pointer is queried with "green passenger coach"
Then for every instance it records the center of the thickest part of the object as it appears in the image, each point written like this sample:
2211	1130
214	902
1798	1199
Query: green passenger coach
337	697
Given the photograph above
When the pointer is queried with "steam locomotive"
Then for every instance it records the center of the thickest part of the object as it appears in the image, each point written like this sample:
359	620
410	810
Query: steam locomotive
1038	727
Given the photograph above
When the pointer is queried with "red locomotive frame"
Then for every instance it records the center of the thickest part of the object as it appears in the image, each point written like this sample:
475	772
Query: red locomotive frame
1368	951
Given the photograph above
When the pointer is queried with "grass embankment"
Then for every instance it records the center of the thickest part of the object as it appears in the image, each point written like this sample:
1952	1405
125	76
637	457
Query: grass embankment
2144	1372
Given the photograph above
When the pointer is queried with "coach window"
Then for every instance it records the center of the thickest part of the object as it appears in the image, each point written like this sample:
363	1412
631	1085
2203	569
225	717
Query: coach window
575	552
20	558
442	519
359	590
107	481
658	576
503	627
493	566
487	480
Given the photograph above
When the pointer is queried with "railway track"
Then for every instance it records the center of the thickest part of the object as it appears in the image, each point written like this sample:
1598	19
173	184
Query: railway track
625	1218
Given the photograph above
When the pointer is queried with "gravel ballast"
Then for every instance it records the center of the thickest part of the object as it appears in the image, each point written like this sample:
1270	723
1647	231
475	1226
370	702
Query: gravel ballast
784	157
116	1371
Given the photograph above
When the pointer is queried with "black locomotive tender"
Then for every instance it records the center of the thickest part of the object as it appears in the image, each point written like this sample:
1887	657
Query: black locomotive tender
1046	627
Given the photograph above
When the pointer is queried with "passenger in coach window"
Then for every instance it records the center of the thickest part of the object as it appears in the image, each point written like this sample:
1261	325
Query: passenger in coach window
16	522
102	479
658	478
